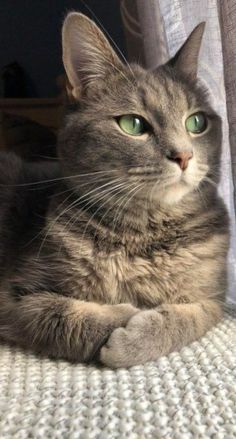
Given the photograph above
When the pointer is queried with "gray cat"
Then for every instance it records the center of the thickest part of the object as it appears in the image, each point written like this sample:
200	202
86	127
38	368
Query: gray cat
120	254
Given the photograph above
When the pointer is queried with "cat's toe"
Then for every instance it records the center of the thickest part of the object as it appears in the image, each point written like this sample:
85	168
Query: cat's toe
116	352
135	344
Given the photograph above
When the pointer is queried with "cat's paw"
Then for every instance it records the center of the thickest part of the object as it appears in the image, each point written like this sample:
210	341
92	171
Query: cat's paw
135	344
107	320
116	352
122	313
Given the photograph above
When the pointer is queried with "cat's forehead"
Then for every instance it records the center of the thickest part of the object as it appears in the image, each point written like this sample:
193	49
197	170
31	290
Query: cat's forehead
146	91
161	90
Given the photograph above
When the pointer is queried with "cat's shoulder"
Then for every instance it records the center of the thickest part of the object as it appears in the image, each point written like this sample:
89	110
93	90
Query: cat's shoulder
10	167
16	173
25	187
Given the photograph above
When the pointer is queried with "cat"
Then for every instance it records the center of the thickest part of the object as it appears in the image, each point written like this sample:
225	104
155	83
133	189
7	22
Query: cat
117	254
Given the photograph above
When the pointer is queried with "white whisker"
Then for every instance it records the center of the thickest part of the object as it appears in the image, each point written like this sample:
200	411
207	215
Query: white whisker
69	177
111	207
102	205
141	185
109	36
76	202
97	197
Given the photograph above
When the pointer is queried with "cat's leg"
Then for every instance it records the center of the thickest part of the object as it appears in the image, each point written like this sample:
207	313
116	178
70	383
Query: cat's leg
60	326
156	332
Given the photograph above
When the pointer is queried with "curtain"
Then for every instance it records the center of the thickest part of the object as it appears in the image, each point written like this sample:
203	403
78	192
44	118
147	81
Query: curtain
155	29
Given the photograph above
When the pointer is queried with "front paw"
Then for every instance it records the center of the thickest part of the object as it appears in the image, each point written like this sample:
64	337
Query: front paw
121	314
100	328
135	344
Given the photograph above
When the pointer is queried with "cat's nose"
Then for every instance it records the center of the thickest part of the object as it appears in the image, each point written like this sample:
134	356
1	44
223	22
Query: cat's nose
181	158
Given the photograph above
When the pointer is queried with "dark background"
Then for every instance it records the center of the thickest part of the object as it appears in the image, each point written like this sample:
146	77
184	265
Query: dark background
30	33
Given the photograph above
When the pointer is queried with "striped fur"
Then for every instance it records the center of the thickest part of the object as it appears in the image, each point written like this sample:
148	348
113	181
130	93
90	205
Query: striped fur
116	254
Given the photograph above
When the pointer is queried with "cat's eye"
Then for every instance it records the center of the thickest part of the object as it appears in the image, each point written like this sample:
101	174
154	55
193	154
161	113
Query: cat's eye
196	123
132	124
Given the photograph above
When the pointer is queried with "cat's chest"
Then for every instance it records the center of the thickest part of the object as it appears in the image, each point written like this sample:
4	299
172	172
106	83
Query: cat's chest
116	277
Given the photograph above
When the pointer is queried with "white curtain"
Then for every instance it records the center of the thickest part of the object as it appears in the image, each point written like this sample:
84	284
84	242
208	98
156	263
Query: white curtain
162	26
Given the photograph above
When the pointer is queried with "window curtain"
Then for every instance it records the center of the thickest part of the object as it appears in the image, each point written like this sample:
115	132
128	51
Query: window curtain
155	29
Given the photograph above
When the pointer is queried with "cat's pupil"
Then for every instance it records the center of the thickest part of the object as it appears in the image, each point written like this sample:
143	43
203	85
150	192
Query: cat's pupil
196	123
132	125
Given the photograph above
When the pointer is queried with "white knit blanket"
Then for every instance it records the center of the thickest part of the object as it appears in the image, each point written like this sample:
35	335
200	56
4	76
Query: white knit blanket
191	394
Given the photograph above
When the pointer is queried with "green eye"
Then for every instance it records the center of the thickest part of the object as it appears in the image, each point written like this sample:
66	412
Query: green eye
196	123
131	124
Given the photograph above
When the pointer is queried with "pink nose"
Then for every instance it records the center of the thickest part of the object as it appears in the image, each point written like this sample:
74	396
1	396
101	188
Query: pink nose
182	158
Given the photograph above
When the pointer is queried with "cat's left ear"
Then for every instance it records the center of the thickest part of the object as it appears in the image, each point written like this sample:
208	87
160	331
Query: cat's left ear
87	55
186	59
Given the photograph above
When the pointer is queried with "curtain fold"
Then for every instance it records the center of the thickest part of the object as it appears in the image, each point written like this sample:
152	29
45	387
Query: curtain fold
227	17
162	26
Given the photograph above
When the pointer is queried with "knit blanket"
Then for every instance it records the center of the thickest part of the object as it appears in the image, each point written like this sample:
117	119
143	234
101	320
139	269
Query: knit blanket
191	394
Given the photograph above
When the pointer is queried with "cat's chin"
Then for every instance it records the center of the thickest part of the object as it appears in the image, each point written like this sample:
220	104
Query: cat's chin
174	194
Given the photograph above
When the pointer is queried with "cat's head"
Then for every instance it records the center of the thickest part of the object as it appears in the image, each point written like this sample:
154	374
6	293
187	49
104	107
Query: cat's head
150	130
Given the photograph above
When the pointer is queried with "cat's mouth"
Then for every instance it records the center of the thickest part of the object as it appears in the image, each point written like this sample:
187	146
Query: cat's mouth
154	174
176	179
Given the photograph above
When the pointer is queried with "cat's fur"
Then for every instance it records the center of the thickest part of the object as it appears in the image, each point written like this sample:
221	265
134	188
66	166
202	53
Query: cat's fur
113	257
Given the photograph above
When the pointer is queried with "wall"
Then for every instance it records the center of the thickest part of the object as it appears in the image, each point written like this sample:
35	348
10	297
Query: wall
30	33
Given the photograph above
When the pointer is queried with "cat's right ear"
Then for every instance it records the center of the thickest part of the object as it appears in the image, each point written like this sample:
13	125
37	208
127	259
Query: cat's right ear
186	59
87	54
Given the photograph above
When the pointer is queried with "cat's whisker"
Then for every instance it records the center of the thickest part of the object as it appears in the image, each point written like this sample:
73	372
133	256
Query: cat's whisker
42	231
204	201
90	182
120	189
205	171
97	197
119	210
84	197
88	206
48	158
68	177
89	202
71	190
122	205
109	36
97	189
48	229
76	202
111	207
119	71
152	190
57	194
209	180
83	175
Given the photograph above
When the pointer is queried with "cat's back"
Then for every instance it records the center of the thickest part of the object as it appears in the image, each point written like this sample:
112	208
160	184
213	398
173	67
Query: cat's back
16	175
25	191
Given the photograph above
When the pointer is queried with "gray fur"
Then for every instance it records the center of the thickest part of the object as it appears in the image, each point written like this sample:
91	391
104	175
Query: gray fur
119	254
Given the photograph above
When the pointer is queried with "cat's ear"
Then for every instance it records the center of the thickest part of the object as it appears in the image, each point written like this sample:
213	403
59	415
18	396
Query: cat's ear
87	54
186	59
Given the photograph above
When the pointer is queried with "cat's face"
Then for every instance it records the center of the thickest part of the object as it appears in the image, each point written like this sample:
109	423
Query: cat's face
154	132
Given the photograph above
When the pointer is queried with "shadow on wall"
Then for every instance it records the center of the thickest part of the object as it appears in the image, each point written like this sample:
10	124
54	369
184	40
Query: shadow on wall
31	35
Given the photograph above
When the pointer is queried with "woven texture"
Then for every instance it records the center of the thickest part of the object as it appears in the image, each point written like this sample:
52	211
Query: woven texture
186	395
